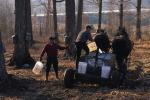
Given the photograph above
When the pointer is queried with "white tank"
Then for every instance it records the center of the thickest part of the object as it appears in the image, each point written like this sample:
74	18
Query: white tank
105	72
82	67
37	69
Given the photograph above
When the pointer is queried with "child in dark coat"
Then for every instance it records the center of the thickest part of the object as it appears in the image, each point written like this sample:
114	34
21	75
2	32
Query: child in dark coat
51	50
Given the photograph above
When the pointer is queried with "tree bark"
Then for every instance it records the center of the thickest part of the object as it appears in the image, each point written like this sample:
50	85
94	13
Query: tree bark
70	26
79	17
111	19
138	25
100	14
21	53
40	30
29	22
55	19
121	14
3	72
49	24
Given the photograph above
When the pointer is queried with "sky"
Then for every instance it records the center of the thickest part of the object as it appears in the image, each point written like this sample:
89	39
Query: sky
87	6
90	7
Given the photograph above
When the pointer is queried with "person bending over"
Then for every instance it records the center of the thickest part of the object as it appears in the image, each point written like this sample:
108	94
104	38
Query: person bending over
80	42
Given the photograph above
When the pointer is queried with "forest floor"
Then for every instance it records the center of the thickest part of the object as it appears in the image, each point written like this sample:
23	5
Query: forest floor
28	86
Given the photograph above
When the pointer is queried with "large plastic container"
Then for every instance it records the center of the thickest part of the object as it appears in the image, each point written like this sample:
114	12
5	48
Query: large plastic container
37	69
105	72
92	46
82	67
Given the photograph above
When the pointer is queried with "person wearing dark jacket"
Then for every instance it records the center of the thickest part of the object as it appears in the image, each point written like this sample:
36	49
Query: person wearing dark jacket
122	47
102	41
51	49
81	40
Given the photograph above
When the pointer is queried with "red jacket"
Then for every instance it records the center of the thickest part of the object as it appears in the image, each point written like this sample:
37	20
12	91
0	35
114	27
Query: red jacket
52	49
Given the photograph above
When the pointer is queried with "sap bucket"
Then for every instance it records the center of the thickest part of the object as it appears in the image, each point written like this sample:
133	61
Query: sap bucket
82	67
37	69
105	72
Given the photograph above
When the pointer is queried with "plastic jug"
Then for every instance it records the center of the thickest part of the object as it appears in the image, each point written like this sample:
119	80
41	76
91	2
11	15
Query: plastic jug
105	72
37	69
82	67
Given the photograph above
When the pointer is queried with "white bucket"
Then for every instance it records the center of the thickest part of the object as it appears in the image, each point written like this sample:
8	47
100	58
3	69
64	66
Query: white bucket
82	67
105	71
37	69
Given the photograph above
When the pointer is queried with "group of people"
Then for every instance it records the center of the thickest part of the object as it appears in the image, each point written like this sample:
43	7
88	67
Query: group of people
51	49
101	39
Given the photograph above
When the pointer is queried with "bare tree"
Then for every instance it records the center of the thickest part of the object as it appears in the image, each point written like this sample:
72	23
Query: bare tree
47	4
138	23
3	72
48	18
111	19
21	53
121	14
55	19
100	14
51	23
70	25
28	22
34	23
123	4
6	18
79	17
99	4
40	29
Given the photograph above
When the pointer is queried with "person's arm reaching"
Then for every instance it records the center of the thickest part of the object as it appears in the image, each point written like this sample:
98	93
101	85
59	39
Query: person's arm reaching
61	47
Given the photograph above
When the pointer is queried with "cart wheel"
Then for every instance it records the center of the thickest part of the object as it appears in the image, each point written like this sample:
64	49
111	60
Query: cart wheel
69	78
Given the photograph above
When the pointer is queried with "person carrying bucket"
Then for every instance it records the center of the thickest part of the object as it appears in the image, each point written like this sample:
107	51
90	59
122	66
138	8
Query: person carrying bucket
51	49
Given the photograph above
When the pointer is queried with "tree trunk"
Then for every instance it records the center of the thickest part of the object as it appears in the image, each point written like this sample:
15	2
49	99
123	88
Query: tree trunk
55	19
29	22
138	25
100	14
21	53
79	17
40	30
70	26
3	72
121	14
48	27
111	20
